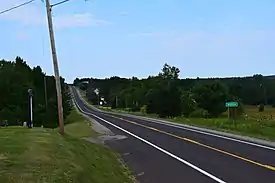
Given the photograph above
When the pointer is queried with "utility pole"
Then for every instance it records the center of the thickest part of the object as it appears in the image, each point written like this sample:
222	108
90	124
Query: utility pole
56	71
97	93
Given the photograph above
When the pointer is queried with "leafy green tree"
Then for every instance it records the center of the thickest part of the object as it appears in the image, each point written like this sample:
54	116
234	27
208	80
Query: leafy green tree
162	94
188	103
211	97
164	99
169	72
16	78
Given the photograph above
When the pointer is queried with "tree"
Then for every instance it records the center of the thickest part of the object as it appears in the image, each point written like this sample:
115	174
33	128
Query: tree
76	82
164	97
16	78
162	94
211	97
188	103
169	72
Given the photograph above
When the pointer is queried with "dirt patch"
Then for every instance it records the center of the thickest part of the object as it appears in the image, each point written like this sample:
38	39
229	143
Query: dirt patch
103	138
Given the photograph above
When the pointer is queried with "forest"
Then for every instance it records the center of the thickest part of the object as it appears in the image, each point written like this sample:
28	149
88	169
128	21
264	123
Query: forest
169	96
16	78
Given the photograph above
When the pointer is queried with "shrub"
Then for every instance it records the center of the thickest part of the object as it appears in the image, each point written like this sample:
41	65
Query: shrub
240	109
211	97
261	108
199	113
143	109
135	108
188	104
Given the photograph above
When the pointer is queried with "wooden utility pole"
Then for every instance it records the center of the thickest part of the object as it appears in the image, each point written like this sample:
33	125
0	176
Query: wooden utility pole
56	71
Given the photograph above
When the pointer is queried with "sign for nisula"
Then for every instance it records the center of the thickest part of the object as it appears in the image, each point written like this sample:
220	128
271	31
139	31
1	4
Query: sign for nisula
231	104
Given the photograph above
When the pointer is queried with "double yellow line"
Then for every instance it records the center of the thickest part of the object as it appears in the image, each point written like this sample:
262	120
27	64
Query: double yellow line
198	143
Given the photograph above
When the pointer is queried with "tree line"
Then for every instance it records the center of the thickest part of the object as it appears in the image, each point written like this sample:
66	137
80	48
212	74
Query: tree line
168	96
16	78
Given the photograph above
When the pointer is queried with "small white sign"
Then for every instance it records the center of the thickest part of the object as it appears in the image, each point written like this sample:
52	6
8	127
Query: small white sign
96	91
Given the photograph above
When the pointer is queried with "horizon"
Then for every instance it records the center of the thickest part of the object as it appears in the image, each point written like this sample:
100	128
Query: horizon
226	77
140	78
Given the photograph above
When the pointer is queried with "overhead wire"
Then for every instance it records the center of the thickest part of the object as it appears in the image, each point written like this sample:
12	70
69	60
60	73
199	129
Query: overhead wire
15	7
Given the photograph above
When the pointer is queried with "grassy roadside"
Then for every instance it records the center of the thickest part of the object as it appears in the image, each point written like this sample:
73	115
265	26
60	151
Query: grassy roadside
43	156
259	125
78	126
253	128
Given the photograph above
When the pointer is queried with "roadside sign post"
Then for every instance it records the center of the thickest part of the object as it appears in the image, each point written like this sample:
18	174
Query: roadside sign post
30	121
97	93
231	106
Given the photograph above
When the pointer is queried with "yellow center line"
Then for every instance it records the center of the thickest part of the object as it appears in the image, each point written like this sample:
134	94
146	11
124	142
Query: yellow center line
200	144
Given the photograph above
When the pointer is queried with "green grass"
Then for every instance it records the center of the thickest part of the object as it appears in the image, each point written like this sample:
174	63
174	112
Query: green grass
252	128
79	126
138	113
43	156
86	99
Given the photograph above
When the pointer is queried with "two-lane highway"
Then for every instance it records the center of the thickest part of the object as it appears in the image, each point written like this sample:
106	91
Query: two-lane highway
159	153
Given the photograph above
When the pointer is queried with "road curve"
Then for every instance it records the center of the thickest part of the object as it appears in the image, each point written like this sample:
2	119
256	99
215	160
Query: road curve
159	153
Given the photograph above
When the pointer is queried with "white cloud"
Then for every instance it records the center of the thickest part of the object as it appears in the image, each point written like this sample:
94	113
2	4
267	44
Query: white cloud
154	34
151	34
223	49
34	14
29	14
123	13
216	41
78	20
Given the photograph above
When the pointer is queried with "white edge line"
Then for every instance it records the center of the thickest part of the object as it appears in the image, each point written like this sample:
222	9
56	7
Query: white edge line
155	146
207	133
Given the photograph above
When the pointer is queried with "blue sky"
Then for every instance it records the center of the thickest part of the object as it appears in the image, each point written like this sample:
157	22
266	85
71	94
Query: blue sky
103	38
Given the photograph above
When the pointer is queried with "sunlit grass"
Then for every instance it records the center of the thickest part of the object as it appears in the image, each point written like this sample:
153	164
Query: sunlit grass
43	156
79	126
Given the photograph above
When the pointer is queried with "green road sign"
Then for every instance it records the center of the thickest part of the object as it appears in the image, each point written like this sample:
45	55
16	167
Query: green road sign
231	104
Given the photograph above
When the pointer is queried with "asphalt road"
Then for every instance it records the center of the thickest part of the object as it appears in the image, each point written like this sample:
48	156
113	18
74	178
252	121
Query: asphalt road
158	153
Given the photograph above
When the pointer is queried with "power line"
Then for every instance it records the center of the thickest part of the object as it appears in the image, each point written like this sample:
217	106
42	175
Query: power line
61	2
15	7
64	1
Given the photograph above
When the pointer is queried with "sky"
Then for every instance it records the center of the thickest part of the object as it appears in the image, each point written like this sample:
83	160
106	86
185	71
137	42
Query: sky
104	38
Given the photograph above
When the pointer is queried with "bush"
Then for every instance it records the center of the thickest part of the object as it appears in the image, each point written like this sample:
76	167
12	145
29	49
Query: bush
211	97
188	104
199	113
135	108
240	108
261	108
143	109
273	105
